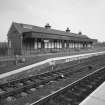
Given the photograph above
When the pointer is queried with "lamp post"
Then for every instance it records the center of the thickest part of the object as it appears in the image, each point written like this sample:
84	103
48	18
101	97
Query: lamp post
52	64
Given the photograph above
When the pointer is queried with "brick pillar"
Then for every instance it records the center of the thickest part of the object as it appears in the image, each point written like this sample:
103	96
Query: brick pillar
62	43
68	44
42	43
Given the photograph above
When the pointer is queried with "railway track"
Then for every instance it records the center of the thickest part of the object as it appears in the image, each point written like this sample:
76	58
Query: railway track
76	92
21	87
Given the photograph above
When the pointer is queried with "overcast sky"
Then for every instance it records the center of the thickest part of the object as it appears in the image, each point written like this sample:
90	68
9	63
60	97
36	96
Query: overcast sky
87	16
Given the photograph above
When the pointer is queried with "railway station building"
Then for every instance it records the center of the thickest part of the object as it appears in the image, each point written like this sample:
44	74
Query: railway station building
29	39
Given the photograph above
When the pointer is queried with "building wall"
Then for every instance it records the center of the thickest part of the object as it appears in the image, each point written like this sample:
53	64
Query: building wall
14	42
19	43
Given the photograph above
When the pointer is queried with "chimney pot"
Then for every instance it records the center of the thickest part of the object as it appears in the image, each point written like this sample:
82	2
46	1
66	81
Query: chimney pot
67	30
47	26
80	33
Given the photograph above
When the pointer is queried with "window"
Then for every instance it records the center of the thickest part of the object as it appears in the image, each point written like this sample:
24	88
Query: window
35	45
9	43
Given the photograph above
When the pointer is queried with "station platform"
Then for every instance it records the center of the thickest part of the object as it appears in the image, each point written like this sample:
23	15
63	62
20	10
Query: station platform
97	97
11	63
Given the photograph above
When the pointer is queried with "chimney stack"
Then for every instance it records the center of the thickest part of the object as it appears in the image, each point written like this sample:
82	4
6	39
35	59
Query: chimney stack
80	33
47	26
67	30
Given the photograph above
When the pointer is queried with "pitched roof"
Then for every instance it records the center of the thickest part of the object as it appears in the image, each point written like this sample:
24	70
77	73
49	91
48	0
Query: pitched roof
31	28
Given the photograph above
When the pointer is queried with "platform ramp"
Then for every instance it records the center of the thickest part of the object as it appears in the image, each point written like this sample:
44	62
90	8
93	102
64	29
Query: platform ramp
97	97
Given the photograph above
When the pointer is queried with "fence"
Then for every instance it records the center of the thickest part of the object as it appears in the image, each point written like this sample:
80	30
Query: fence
3	50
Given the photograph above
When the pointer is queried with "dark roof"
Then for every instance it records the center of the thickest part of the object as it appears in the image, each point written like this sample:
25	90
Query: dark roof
31	28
